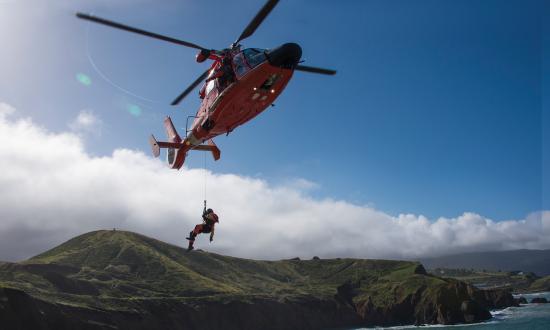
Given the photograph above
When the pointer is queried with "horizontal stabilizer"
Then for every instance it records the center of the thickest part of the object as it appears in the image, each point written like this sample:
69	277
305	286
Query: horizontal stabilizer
156	145
212	147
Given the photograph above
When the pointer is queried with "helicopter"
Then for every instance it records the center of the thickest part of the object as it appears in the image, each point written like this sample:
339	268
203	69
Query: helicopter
239	85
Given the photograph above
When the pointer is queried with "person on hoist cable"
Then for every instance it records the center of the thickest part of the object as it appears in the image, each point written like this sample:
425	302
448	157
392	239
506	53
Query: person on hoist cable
209	219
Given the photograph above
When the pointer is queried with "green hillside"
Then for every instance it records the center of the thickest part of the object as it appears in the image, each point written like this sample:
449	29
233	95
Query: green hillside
542	284
122	264
122	272
517	281
533	261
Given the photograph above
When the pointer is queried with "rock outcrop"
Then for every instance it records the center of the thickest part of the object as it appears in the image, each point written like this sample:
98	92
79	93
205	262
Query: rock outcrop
494	298
520	300
450	303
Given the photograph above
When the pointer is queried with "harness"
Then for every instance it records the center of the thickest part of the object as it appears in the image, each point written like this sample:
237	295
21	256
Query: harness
207	218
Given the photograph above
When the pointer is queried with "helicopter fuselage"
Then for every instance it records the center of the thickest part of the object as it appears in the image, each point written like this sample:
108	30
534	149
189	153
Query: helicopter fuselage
257	77
239	85
224	108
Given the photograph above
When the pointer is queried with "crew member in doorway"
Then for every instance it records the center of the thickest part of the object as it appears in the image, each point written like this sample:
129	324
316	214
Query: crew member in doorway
223	73
227	76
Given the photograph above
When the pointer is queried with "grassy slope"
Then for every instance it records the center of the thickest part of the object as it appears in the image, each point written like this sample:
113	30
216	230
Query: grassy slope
112	269
536	261
542	284
489	279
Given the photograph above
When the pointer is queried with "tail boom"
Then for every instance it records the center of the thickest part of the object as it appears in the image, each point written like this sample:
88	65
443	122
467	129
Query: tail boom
177	149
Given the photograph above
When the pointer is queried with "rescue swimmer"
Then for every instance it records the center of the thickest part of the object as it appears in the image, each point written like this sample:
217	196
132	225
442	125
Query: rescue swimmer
209	221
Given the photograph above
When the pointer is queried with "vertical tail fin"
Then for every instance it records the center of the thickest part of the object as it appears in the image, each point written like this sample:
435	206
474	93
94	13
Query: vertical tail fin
175	155
171	132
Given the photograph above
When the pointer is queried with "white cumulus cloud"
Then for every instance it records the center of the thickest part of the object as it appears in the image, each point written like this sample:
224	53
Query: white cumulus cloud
6	109
86	122
51	189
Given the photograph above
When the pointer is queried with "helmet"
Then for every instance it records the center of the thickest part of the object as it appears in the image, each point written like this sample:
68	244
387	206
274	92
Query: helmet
209	211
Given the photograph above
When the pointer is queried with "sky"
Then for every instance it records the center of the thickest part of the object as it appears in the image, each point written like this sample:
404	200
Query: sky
433	133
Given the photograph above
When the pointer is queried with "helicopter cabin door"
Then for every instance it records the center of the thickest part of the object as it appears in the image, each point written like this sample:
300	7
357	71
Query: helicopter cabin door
211	87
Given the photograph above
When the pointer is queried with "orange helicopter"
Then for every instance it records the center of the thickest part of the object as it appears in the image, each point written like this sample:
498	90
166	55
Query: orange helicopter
240	84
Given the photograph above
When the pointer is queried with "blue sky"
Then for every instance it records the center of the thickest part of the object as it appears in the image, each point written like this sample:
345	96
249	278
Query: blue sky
437	107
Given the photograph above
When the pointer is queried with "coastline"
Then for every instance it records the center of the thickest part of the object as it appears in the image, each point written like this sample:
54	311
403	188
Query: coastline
515	317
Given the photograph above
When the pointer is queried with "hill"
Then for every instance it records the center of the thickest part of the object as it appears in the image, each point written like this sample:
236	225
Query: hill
123	280
535	261
516	281
540	285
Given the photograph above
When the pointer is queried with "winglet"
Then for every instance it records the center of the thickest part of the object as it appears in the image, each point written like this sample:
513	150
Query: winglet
154	145
216	153
212	147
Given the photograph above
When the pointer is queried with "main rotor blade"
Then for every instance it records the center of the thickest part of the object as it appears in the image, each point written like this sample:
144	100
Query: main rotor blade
191	87
136	30
258	19
314	70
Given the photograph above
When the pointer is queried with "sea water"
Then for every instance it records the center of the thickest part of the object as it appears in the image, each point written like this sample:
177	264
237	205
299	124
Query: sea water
525	317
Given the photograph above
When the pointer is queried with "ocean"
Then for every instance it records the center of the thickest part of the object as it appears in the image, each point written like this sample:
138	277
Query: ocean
525	317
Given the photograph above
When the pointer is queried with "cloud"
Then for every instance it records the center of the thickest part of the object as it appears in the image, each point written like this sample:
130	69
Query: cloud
300	184
86	122
6	109
51	189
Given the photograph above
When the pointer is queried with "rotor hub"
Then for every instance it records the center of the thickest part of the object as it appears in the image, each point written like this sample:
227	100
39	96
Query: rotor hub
285	56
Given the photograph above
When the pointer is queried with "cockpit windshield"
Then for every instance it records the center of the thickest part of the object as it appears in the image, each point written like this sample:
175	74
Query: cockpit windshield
254	56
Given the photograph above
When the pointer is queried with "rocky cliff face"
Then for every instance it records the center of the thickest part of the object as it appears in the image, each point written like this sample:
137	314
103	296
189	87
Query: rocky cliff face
18	310
449	303
121	280
493	298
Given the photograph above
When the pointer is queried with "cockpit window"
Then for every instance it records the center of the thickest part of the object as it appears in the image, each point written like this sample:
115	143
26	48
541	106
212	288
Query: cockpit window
254	56
239	65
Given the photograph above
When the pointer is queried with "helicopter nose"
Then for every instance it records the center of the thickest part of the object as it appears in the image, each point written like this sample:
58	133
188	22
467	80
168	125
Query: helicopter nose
285	56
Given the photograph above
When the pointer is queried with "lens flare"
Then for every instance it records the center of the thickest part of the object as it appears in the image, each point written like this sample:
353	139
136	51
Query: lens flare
83	79
134	110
